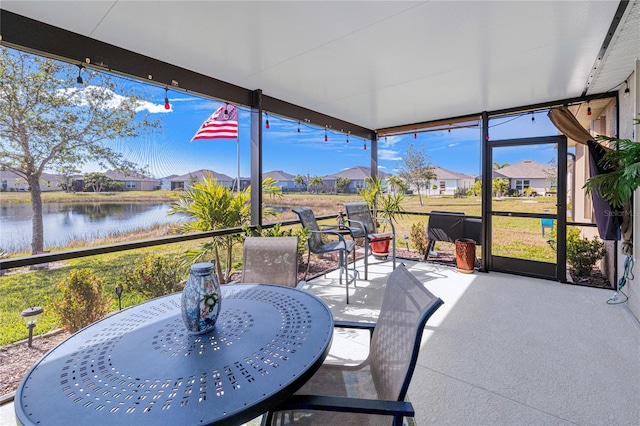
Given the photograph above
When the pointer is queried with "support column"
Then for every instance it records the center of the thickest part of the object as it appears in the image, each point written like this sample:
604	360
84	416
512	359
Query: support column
374	155
256	158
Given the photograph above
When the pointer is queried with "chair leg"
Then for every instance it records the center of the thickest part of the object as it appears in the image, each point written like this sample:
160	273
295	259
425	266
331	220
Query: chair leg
366	257
308	263
393	241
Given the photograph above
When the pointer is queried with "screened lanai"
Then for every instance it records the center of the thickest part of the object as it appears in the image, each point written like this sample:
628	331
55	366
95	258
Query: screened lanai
367	69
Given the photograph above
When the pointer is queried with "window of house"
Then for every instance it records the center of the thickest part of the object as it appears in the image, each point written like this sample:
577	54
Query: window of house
130	185
442	185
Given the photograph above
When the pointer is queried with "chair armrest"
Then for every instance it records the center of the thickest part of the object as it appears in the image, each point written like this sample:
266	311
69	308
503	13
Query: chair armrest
356	325
362	227
348	405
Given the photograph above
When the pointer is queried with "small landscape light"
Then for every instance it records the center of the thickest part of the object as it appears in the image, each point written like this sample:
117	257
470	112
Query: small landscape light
119	294
30	315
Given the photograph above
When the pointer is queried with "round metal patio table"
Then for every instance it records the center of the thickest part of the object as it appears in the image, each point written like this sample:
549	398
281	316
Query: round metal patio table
140	366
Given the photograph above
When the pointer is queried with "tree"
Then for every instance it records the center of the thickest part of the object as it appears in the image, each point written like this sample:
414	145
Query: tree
416	169
396	185
497	165
500	186
342	185
316	182
47	124
300	182
97	181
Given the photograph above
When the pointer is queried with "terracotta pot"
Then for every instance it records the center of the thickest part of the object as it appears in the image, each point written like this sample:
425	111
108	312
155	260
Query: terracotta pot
380	248
465	255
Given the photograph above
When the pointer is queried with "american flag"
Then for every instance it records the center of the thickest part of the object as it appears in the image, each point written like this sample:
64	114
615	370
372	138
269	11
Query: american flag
219	127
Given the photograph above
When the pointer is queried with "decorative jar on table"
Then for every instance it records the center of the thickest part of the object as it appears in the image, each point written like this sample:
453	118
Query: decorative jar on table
201	299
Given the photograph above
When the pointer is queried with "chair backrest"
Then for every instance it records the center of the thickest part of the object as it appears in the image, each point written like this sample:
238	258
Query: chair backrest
406	307
308	220
270	260
361	212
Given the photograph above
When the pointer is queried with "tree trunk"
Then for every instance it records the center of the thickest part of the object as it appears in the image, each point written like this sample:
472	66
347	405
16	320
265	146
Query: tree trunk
37	239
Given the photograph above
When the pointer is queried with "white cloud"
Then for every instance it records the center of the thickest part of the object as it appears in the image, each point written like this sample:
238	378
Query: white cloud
114	100
388	154
387	141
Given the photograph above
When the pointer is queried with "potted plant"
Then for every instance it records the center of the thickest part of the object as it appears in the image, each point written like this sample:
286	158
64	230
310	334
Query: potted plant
618	185
386	206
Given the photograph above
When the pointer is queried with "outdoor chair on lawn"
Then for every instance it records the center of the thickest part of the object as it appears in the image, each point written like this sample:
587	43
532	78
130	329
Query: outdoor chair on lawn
271	260
318	246
359	216
373	392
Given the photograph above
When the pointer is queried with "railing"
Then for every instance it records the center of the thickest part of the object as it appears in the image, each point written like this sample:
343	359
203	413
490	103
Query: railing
18	262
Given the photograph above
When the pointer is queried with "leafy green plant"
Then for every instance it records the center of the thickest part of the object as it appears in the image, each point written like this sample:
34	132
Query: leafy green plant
617	186
582	253
418	238
154	275
80	300
278	231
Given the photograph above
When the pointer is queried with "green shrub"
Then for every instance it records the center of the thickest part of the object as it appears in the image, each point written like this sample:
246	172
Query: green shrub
582	253
418	237
80	300
278	231
155	276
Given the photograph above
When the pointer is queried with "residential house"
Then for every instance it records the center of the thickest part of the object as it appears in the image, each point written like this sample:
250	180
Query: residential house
186	180
529	174
357	175
165	181
283	180
448	182
11	182
133	181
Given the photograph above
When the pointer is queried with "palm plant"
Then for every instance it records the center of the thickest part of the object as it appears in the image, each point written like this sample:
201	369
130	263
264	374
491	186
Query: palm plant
213	206
618	185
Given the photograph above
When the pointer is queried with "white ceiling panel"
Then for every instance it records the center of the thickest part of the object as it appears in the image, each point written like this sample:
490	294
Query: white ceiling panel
374	63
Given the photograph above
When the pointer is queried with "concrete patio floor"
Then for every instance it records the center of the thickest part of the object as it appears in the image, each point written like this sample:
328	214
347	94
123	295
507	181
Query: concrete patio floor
502	350
507	350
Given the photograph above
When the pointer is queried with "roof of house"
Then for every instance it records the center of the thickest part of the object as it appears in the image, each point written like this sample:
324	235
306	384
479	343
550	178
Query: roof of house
526	169
200	174
444	174
356	173
278	175
127	176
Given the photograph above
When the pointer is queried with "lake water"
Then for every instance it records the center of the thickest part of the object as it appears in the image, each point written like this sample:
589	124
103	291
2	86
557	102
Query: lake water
68	221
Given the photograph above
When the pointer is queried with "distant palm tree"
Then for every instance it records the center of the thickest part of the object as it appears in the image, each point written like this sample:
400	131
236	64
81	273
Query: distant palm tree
497	166
299	181
316	182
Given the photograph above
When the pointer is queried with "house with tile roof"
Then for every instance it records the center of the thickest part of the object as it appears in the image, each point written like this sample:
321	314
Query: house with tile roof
448	182
357	175
11	182
283	180
134	181
186	180
529	174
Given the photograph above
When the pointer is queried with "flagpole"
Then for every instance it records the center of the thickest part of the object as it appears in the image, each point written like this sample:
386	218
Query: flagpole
238	157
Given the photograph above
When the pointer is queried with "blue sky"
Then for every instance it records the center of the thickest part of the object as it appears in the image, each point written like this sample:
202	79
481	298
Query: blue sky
284	148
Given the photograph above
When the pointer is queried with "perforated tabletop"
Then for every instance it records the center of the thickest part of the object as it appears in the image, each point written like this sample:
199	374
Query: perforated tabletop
140	366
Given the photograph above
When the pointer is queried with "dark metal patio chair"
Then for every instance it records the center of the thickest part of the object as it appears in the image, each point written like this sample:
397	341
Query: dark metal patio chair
271	260
318	246
359	216
373	392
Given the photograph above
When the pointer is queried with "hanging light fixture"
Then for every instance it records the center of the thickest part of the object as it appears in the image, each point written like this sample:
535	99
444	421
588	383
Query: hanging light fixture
415	136
79	79
348	137
326	139
533	118
627	92
298	127
365	146
266	124
588	109
167	105
225	115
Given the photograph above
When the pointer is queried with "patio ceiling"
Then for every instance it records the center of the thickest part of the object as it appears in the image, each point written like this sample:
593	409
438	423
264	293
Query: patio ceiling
376	64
